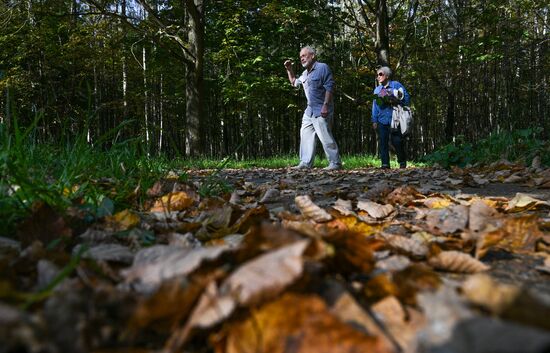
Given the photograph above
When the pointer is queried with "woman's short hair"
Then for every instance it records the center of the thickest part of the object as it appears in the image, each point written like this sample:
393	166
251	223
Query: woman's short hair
386	70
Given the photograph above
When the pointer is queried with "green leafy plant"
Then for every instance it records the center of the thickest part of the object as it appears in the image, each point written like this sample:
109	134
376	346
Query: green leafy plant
518	146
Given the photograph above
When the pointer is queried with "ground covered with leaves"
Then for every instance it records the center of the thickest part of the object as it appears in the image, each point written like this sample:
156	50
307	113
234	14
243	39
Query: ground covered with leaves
407	260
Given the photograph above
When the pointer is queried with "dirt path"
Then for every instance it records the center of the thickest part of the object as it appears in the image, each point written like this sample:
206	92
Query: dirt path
373	184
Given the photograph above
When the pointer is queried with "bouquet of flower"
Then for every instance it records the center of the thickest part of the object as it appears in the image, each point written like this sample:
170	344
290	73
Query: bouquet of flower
388	96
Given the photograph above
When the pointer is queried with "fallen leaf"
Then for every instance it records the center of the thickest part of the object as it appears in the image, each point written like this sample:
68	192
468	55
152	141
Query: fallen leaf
482	290
403	195
122	220
481	215
455	261
266	275
178	262
295	323
174	201
523	202
311	210
436	202
448	220
354	252
376	210
172	302
259	279
508	301
344	207
355	225
403	325
416	278
346	309
406	245
515	234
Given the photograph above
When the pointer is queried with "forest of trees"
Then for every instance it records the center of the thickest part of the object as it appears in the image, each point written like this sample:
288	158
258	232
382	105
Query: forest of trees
206	78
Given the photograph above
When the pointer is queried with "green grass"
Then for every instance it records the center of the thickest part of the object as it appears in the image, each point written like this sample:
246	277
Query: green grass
349	162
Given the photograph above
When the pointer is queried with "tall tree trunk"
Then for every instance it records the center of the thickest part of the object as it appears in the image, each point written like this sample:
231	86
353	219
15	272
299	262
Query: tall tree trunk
194	78
382	44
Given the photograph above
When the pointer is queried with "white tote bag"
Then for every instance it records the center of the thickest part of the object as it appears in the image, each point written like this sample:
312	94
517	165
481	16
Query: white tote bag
401	119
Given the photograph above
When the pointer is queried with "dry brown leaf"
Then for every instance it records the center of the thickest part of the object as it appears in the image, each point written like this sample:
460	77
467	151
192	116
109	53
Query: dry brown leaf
406	245
172	302
311	210
348	310
482	290
174	201
523	202
298	324
481	215
514	178
353	252
376	210
448	220
267	275
261	278
413	280
309	227
455	261
515	234
179	262
253	216
379	287
508	301
344	207
403	325
403	195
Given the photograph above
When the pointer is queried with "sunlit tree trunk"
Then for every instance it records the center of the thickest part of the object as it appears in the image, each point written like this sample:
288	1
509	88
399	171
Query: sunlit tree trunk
145	99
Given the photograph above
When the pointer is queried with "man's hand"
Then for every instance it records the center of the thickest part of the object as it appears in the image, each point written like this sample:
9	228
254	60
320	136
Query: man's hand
324	110
375	126
288	64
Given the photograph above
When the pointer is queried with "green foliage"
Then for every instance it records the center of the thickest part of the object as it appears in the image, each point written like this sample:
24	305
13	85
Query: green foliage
518	145
95	179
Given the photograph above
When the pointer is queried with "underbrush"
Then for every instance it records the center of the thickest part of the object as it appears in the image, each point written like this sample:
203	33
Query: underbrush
520	146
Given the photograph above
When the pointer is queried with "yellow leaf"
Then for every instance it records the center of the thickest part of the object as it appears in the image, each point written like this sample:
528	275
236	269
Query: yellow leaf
124	220
174	201
437	202
355	225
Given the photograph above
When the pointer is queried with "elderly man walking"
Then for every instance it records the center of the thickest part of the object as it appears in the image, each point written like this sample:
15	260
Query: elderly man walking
317	119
